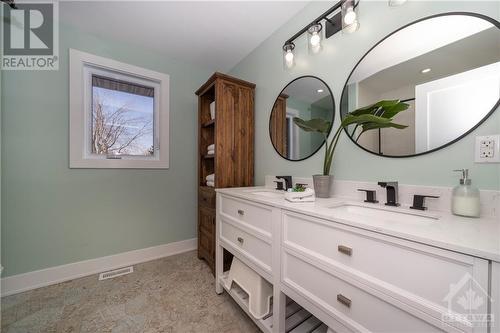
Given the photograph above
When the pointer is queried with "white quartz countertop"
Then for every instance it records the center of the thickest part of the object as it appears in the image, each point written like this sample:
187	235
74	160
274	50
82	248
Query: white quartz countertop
478	237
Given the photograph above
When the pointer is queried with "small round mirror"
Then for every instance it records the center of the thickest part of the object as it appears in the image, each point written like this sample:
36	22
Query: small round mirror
306	97
445	69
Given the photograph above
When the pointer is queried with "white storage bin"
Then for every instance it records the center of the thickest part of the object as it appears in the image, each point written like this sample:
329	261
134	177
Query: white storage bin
258	289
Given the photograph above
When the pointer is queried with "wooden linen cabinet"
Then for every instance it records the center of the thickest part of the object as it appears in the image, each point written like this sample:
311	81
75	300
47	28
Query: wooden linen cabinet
232	163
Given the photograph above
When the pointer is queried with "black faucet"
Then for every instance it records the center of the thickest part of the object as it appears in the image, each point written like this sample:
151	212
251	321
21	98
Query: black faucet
392	193
288	181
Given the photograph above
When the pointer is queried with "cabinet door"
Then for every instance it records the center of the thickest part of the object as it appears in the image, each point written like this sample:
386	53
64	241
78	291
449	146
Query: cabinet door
206	235
235	135
278	125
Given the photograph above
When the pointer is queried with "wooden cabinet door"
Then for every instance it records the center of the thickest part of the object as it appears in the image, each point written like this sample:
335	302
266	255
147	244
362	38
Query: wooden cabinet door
277	125
235	135
206	235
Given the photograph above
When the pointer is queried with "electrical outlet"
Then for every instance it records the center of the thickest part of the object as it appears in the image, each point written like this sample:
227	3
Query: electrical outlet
487	149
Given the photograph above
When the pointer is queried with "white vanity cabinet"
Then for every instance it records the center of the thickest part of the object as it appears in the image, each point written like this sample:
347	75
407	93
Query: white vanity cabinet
353	279
244	229
364	278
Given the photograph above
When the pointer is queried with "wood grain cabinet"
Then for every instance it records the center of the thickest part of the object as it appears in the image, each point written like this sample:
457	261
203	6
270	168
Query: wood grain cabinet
232	133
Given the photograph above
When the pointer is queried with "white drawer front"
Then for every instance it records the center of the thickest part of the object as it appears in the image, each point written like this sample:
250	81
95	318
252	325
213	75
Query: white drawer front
366	311
414	269
252	215
255	249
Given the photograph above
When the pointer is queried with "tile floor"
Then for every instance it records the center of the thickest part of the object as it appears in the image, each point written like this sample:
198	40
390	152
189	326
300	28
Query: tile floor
174	294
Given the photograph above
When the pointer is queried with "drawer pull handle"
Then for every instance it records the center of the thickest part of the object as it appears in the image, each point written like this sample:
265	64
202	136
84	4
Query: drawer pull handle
241	240
241	212
345	250
344	300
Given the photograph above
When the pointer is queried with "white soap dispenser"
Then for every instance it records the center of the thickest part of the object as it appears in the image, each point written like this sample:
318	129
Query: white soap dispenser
465	197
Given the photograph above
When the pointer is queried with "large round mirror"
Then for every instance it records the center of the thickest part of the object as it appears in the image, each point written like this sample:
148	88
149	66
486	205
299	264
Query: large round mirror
446	68
306	97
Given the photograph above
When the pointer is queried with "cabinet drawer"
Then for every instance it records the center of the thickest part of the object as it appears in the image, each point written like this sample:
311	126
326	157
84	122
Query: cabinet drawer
255	249
206	197
252	215
418	274
356	308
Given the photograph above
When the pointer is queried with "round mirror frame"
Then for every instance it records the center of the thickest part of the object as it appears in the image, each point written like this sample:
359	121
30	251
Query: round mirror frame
333	116
497	104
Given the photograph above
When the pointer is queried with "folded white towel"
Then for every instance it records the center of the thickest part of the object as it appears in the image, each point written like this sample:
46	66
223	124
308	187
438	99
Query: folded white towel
210	178
211	184
210	152
212	110
211	147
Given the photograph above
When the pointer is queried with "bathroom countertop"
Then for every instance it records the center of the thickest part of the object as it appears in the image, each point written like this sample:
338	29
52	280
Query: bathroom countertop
478	237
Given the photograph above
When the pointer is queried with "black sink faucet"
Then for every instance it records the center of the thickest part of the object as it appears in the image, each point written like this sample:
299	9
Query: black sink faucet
392	193
288	181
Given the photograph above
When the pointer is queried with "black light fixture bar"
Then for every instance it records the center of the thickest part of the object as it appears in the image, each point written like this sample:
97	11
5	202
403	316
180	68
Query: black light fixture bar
333	24
10	3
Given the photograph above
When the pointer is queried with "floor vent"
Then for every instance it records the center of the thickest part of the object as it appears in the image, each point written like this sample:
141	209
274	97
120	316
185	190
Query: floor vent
116	272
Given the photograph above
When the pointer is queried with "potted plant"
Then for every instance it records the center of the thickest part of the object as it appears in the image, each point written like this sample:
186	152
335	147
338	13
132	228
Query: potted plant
375	116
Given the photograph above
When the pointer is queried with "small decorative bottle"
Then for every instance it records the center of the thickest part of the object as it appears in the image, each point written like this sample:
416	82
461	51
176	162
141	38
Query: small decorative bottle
465	197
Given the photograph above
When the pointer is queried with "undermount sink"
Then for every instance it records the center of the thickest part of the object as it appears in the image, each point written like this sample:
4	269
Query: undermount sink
385	214
269	194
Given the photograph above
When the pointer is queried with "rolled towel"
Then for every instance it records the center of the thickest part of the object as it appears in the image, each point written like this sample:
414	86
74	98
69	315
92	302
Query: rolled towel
210	178
211	147
211	184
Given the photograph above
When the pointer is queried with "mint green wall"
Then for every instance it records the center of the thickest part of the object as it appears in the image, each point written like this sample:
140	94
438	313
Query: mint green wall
54	215
341	53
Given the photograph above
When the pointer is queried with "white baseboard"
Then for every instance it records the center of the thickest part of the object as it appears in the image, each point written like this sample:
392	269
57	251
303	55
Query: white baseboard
22	282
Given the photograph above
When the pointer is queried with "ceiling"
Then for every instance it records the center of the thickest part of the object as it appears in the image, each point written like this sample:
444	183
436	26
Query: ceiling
475	51
212	34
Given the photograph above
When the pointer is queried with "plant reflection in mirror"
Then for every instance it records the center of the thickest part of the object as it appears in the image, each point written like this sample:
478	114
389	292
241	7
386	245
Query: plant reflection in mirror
375	116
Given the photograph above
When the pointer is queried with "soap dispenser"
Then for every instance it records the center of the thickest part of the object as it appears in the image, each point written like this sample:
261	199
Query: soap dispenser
465	197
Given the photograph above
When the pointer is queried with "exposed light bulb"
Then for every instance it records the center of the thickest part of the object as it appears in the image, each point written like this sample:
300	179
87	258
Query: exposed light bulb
350	16
315	39
289	58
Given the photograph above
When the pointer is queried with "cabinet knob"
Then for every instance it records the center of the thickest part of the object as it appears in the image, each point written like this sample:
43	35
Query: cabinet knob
241	212
345	250
241	240
344	300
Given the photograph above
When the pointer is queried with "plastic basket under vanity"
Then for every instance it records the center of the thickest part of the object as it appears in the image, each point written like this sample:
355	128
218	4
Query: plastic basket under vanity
258	289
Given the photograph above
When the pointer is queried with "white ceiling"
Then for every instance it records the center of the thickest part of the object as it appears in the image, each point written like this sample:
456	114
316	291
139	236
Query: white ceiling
214	35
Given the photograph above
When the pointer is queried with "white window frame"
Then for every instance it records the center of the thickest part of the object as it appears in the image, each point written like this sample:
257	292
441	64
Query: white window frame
81	67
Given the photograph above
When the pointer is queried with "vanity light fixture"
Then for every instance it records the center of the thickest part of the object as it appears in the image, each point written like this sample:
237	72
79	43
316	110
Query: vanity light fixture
425	70
395	3
314	38
288	55
341	16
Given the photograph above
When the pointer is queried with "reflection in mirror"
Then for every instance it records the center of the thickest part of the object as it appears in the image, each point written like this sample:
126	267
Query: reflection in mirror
306	97
447	68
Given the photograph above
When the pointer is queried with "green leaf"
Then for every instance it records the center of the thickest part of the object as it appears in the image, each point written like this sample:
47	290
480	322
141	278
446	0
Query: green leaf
350	119
373	107
391	111
314	125
371	126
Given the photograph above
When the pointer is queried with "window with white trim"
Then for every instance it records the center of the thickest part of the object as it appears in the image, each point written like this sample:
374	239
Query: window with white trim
119	114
